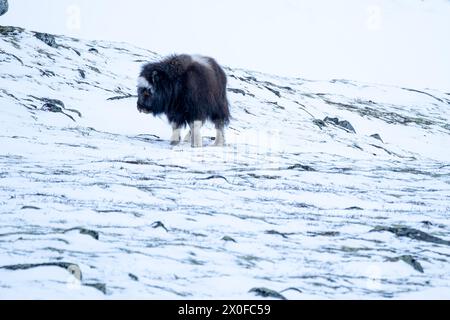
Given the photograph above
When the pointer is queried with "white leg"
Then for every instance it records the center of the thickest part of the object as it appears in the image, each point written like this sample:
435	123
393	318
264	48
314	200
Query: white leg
187	138
196	134
220	136
176	135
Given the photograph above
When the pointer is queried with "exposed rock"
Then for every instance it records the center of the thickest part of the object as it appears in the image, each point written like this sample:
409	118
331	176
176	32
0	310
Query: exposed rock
274	232
51	107
159	224
47	73
301	166
48	39
8	30
275	92
30	208
127	96
340	123
319	123
267	293
324	234
239	91
72	268
377	136
3	7
57	106
133	277
227	238
409	260
10	55
214	177
354	208
95	69
412	234
292	289
93	50
92	233
82	73
76	51
99	286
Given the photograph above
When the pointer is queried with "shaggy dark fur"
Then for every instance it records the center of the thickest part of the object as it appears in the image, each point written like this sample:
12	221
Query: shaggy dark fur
186	89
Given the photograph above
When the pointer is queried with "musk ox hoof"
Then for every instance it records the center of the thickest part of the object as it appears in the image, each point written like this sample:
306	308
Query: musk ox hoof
174	142
218	144
196	145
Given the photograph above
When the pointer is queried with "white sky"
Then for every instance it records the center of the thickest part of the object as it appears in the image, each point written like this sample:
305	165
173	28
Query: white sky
400	42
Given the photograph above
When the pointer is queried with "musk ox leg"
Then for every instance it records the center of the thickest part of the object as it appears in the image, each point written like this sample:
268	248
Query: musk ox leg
196	134
187	138
220	136
176	134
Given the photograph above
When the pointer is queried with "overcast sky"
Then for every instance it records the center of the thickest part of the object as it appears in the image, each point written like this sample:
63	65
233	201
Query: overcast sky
401	42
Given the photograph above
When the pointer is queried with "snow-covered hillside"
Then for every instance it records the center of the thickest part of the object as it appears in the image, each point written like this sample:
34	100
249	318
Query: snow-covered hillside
325	190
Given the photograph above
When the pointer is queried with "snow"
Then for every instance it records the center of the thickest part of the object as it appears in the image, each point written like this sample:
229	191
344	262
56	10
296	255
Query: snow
285	204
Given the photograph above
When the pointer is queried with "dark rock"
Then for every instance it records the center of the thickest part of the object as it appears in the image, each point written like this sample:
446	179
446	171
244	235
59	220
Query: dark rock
267	293
93	50
12	56
324	234
354	208
82	73
72	268
409	260
331	120
275	92
274	232
340	123
301	166
47	73
427	223
76	51
412	234
377	136
227	238
159	224
51	107
57	106
52	101
91	233
239	91
94	69
292	289
48	39
214	177
133	277
3	7
319	123
99	286
127	96
345	124
30	208
248	112
10	31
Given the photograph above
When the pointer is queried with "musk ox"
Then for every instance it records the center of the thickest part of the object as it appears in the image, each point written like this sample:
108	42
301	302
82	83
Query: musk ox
189	90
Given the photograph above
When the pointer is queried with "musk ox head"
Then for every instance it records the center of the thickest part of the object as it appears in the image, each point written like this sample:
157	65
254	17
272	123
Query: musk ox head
149	97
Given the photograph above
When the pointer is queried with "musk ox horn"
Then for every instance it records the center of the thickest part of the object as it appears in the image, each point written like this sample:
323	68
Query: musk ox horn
155	76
